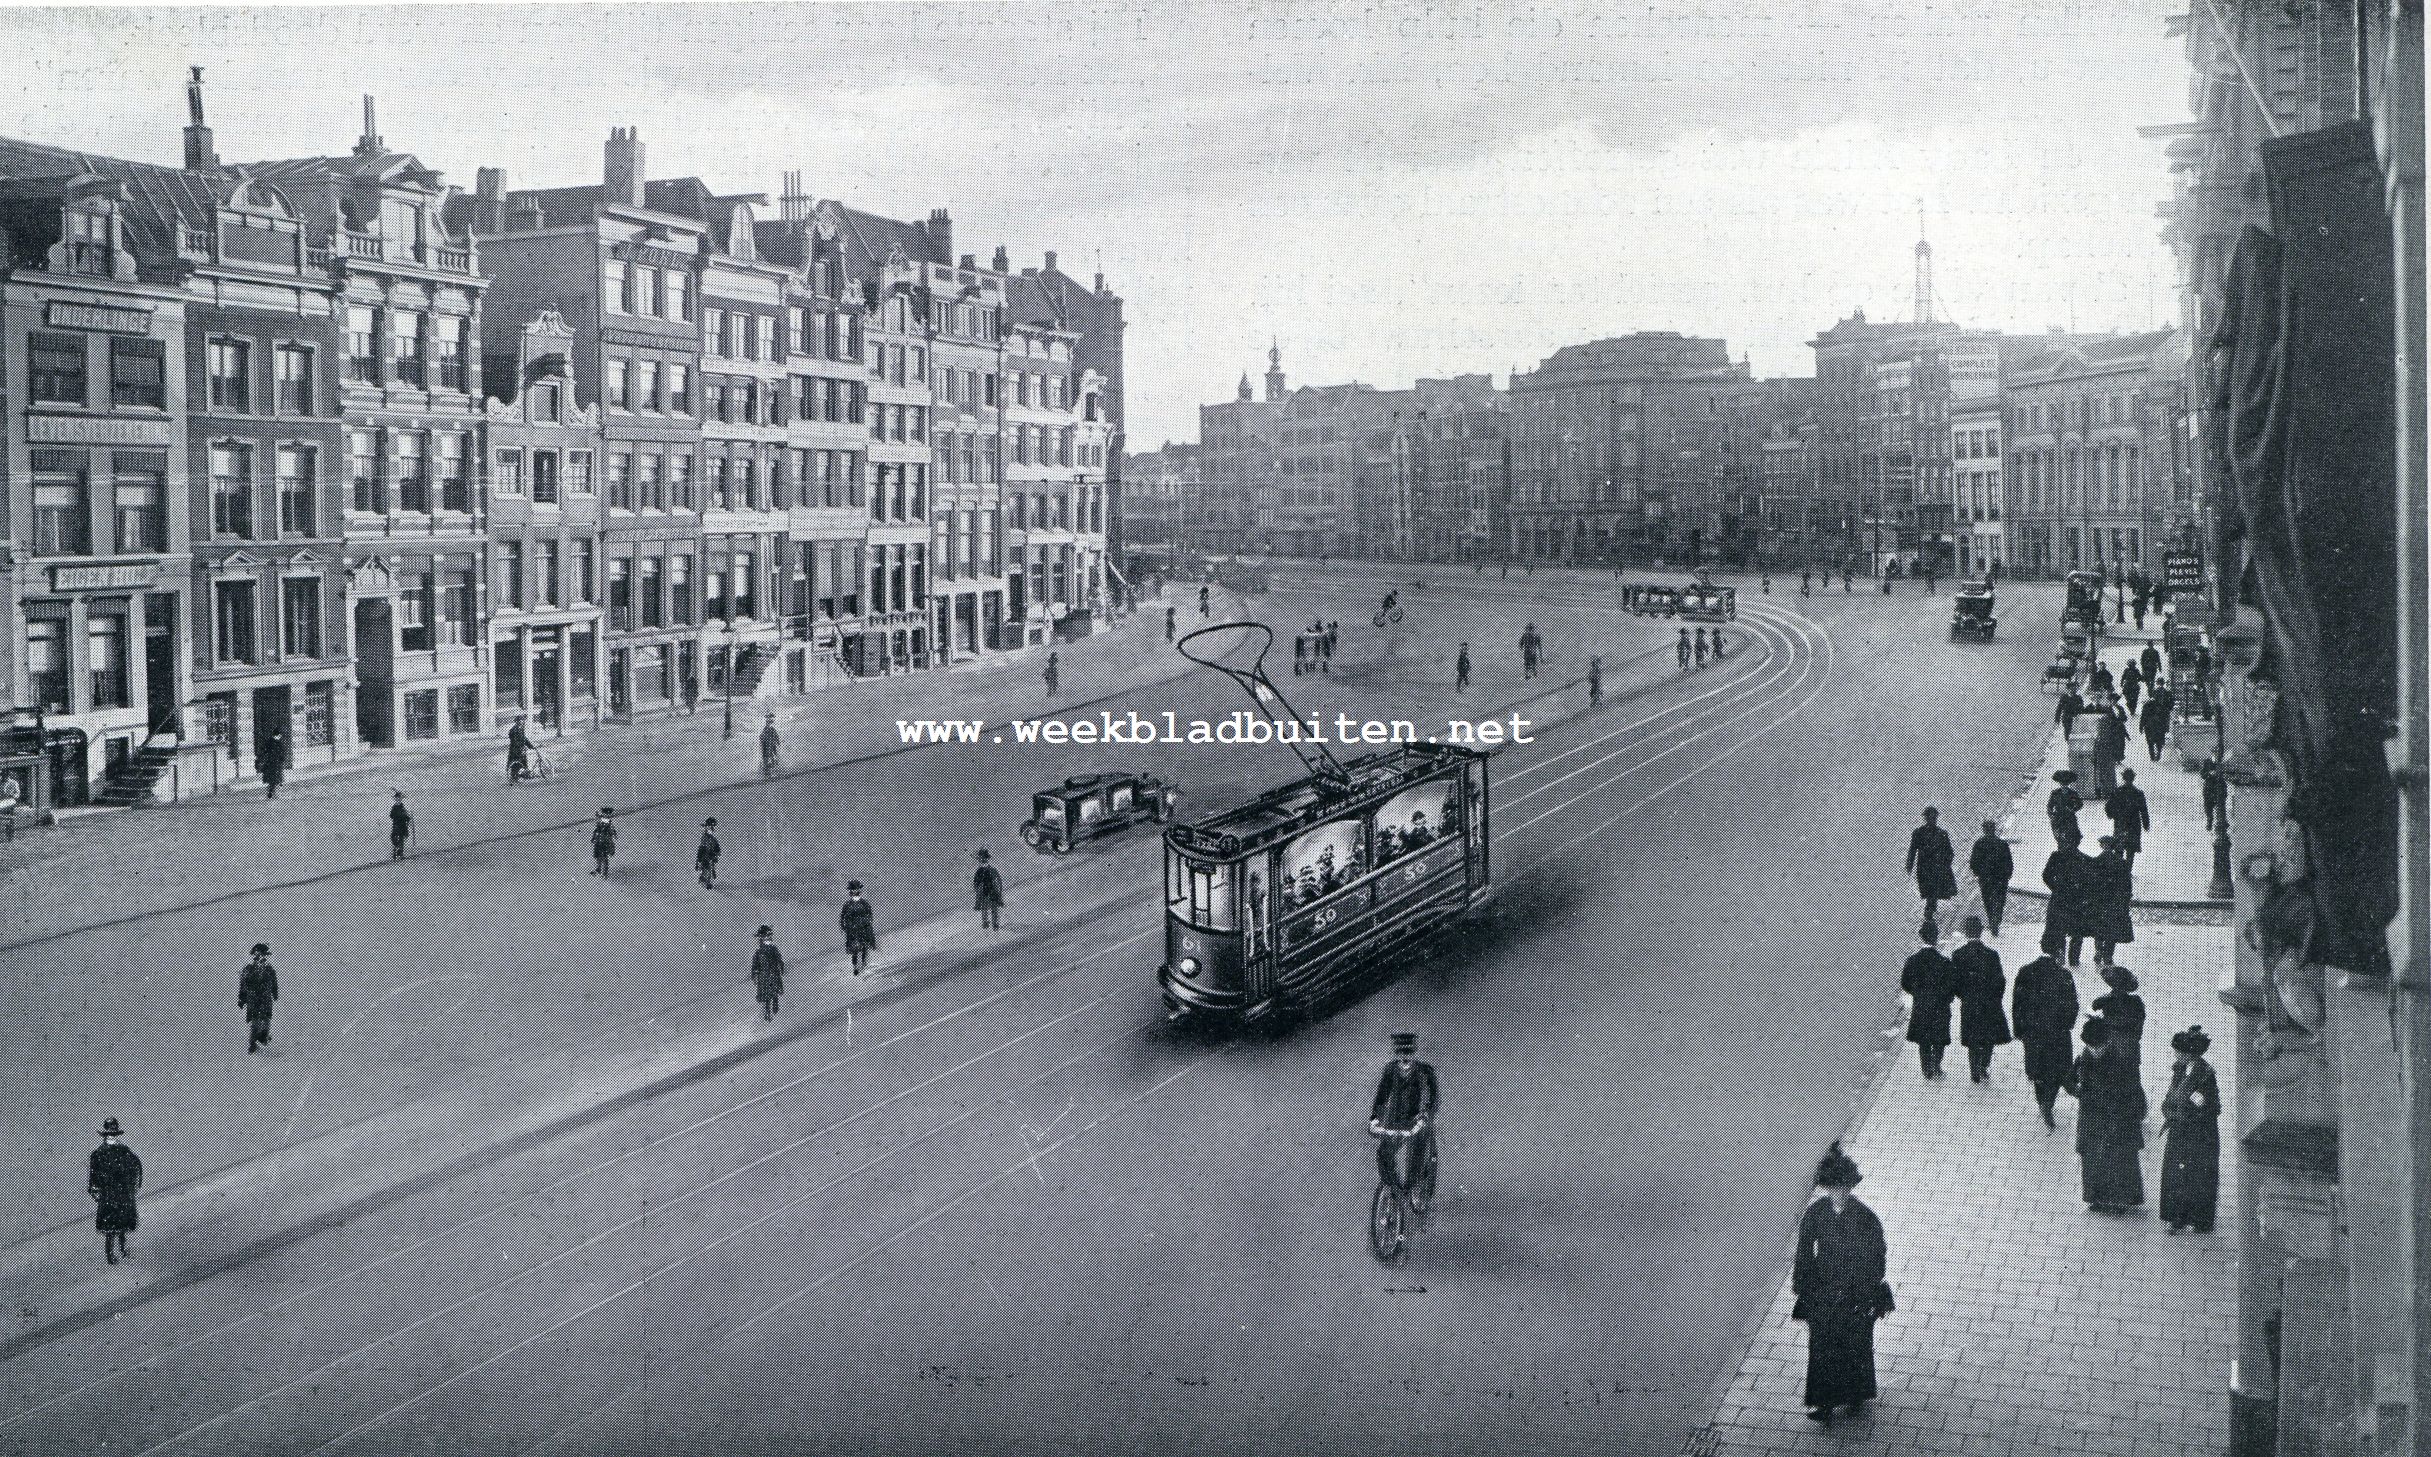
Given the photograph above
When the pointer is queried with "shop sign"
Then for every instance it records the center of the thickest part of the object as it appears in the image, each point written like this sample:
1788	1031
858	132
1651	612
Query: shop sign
79	430
102	577
97	316
2183	570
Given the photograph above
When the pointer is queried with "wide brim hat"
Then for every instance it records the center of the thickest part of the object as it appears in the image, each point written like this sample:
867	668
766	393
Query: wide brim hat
2119	978
980	854
765	931
852	885
1836	1170
709	823
2063	776
261	948
2095	1032
2194	1041
110	1129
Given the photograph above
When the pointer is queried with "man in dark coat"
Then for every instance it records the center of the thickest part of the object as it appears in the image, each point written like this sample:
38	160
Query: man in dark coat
1990	862
603	841
272	761
518	750
987	892
2190	1148
1929	859
706	855
2215	793
2109	1123
2110	901
257	991
2099	683
2065	712
1838	1282
2061	808
400	825
2150	661
113	1175
2154	720
860	925
2131	686
1460	671
2109	745
767	972
2130	816
1407	1097
768	745
1981	1025
2043	1009
1931	984
2068	876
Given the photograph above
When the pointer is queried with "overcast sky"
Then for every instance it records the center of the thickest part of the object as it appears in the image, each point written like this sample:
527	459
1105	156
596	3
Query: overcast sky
1393	191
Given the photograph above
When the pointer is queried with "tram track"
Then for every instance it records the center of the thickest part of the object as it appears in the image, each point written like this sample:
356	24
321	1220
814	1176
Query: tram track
1795	654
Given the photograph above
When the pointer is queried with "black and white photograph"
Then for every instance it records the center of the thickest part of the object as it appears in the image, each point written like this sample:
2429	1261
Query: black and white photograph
1064	727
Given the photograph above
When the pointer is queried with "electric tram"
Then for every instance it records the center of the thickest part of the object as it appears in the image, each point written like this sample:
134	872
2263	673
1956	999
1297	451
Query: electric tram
1280	903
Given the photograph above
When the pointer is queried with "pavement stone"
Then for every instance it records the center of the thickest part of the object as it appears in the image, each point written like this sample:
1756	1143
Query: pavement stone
2027	1323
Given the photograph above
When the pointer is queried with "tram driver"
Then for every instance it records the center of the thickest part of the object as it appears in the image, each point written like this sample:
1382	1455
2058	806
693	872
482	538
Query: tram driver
1406	1101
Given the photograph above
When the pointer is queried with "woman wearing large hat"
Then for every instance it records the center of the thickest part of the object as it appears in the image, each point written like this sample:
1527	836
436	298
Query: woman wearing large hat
1838	1280
2190	1149
113	1176
2109	1123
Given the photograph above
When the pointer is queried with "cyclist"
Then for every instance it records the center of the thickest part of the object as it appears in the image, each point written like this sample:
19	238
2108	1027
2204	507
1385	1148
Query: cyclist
1406	1100
518	752
1391	600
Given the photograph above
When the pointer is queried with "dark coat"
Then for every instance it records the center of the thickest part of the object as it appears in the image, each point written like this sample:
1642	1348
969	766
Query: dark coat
2215	787
1932	984
1403	1096
767	970
2124	1011
603	837
2190	1146
987	889
2068	875
2043	1008
709	849
2150	659
2111	1103
2062	807
2065	711
860	922
257	988
2110	899
2155	718
2130	814
113	1175
2110	735
1929	855
1980	984
1990	861
1838	1282
272	761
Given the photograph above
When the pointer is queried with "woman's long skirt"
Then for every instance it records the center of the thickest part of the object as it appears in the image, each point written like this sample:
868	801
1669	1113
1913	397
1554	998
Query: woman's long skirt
2114	1173
2190	1175
1839	1358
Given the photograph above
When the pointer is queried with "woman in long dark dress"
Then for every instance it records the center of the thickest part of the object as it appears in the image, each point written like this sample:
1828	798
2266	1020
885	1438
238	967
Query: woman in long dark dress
2109	1122
2124	1011
1840	1290
2190	1151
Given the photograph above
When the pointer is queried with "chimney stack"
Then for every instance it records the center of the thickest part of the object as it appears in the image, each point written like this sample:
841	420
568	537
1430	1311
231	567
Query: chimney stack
941	232
1003	263
970	261
199	156
1050	260
624	176
794	205
369	144
489	200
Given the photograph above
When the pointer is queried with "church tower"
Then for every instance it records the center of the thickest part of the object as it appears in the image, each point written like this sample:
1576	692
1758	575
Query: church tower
1246	394
1274	373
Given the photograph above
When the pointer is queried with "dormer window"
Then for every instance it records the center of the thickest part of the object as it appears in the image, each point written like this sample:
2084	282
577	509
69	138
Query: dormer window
401	228
87	235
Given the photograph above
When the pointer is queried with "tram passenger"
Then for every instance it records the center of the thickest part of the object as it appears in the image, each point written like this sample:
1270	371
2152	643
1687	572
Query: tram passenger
1418	833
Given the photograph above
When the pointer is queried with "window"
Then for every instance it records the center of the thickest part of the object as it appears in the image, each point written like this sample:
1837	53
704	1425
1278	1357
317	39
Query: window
46	663
232	490
295	380
455	474
415	609
464	708
459	621
544	477
232	622
405	347
654	292
105	650
713	591
679	482
651	495
679	585
616	286
679	295
138	375
766	327
620	593
422	714
510	576
454	353
362	344
300	617
586	570
798	330
410	470
506	477
646	392
140	497
544	573
365	490
55	368
299	470
620	384
578	472
653	604
620	482
86	234
744	583
679	389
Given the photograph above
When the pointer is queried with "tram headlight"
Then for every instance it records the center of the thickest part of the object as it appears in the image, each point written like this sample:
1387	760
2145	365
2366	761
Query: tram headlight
1187	966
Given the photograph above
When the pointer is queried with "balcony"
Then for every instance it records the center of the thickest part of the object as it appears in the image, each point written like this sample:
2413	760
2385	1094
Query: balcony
365	245
454	260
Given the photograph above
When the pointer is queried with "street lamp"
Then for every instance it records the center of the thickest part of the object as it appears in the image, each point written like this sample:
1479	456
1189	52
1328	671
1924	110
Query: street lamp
732	636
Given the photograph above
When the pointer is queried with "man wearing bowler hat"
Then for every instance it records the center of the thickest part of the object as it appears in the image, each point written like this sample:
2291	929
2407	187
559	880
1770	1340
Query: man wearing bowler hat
113	1175
767	972
257	991
860	922
603	841
987	892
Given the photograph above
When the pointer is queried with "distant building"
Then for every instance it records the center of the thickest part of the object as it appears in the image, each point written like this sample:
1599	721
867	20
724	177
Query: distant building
2083	489
545	546
1164	497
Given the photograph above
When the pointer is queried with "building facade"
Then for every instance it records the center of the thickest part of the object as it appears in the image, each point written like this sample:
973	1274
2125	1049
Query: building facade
546	551
1975	483
2082	492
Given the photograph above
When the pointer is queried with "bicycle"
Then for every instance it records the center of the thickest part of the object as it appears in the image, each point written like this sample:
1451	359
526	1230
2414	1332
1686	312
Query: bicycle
536	765
1387	614
1395	1212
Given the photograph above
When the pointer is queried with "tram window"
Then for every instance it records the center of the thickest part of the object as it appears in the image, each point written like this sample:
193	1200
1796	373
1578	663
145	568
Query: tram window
1121	795
1416	818
1051	816
1199	893
1320	861
1092	810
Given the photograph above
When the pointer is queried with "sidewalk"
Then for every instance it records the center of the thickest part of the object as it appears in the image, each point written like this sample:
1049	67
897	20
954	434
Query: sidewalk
2175	868
2026	1323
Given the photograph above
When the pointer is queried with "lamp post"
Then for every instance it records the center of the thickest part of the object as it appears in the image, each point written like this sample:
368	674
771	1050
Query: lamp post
732	636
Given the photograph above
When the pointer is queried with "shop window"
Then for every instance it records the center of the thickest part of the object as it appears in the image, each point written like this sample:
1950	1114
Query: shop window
464	708
422	714
581	673
46	661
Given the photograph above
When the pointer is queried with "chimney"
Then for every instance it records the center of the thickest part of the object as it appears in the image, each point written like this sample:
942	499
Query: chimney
623	178
1050	260
794	205
1099	285
489	200
941	232
1003	263
369	144
970	261
524	216
199	156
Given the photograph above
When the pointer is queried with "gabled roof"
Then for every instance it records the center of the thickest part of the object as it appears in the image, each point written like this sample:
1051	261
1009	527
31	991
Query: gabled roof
374	166
869	240
159	198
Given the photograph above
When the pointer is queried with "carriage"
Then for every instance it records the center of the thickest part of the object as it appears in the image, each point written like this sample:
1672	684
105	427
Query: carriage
1286	900
1971	615
1086	806
2083	607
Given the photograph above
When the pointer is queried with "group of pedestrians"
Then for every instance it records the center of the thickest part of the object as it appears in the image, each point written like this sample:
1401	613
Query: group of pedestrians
1693	651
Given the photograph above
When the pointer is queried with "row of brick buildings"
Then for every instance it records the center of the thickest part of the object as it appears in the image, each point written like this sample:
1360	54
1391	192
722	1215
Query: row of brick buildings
1659	444
322	448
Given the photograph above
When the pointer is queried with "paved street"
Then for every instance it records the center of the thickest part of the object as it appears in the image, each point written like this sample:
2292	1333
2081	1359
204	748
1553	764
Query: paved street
988	1198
